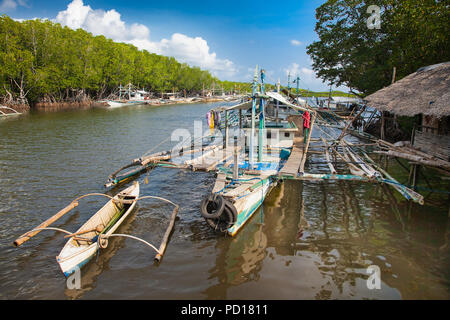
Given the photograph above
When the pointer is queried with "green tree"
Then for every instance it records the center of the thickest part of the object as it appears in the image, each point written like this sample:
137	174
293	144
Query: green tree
413	34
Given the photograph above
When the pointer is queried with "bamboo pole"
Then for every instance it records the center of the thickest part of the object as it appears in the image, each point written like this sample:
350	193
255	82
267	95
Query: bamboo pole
162	247
406	192
382	130
350	122
28	235
418	159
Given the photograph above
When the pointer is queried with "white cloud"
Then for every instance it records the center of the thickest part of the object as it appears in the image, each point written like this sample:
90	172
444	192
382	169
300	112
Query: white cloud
11	5
296	43
194	51
307	71
293	69
8	5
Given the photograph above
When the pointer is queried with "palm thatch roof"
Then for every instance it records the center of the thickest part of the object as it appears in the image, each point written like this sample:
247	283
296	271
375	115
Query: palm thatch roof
425	91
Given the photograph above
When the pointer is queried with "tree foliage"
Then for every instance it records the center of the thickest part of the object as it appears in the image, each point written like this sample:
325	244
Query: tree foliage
413	34
47	62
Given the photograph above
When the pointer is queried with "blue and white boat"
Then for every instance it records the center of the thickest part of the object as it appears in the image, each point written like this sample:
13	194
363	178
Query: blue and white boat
271	146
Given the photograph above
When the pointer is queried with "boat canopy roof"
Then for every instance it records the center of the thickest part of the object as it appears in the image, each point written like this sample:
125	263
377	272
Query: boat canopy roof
274	95
346	100
243	105
279	97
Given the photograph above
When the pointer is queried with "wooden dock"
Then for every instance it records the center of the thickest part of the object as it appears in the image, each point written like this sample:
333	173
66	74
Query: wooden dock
292	165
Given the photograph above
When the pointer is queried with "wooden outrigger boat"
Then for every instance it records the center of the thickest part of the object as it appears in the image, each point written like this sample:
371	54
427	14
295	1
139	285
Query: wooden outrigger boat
94	234
81	248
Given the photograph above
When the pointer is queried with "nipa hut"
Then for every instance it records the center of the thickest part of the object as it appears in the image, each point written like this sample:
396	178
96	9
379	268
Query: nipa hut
426	93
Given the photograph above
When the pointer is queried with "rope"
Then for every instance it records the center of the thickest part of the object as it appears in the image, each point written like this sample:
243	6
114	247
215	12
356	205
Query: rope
158	198
105	237
150	150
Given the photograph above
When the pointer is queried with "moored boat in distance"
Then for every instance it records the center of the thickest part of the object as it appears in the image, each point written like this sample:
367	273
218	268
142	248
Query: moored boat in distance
128	96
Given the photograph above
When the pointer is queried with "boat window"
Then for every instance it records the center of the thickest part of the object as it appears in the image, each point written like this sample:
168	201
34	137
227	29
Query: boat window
286	134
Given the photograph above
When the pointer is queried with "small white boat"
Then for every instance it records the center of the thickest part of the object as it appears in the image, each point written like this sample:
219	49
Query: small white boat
80	249
124	103
129	96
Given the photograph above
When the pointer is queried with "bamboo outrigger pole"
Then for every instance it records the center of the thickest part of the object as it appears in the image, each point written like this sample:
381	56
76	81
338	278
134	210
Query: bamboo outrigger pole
28	235
163	245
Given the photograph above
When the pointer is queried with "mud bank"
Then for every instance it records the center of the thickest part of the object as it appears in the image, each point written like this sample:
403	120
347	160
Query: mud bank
58	106
22	108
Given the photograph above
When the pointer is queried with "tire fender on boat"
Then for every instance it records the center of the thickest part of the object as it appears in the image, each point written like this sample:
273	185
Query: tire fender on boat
212	206
226	220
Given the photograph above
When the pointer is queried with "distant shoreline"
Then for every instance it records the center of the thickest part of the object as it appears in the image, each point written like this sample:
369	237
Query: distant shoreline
88	104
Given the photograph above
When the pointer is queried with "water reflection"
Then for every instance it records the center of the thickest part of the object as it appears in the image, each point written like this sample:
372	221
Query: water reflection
322	237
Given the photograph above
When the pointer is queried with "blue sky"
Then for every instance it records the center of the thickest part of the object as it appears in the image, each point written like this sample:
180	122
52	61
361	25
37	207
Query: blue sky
226	37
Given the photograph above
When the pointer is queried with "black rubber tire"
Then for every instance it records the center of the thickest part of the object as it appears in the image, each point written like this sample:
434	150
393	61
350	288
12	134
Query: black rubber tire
226	220
230	207
212	206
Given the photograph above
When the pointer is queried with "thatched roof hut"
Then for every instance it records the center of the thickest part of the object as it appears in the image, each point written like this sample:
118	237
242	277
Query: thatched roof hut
426	91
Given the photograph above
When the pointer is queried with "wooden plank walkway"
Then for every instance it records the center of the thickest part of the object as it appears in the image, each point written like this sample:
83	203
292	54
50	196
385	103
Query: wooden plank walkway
293	162
295	158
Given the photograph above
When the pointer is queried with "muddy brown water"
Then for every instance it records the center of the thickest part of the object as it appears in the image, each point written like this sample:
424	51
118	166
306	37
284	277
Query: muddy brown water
310	240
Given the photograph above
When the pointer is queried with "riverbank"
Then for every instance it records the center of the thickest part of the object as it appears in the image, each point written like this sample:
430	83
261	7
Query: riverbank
88	104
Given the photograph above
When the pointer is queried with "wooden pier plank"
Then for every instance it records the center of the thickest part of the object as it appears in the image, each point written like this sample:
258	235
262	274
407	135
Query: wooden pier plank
293	163
220	182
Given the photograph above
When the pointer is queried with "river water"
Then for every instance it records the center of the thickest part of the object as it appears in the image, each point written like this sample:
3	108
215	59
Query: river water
312	240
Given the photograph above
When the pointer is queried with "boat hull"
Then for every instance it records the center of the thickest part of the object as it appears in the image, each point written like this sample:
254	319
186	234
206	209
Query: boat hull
73	257
249	204
118	104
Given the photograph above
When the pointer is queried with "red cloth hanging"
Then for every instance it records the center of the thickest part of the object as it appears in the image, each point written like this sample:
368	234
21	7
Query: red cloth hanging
306	119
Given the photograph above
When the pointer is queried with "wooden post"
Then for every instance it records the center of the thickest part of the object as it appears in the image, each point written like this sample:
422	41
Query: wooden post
236	164
240	118
278	104
226	128
393	75
252	132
